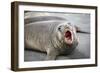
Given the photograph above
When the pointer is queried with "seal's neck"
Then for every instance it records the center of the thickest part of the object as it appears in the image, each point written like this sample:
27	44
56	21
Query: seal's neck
55	40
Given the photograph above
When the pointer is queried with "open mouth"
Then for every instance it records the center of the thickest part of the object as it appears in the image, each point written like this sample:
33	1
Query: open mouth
68	37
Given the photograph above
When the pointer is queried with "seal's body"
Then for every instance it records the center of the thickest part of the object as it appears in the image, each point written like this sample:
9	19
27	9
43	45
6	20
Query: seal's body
51	36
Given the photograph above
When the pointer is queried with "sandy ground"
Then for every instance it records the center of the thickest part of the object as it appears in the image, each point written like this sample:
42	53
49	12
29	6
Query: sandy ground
83	49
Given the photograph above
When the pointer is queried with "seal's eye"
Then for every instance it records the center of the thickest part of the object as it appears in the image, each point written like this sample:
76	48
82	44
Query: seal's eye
59	28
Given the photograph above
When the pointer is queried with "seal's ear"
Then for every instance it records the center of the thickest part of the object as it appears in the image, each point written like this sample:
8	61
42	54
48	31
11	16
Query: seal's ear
78	30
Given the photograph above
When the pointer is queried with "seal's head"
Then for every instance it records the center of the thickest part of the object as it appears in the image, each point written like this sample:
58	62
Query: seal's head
66	34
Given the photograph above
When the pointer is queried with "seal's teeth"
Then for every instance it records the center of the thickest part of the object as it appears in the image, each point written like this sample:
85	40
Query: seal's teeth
68	41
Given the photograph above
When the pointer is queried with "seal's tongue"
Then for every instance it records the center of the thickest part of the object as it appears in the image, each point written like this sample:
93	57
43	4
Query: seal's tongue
68	37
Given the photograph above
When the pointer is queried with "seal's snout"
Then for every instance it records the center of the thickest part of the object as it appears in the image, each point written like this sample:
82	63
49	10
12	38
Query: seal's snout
68	37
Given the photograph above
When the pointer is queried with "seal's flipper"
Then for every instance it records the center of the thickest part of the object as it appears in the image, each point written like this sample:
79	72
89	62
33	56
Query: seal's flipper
51	54
78	30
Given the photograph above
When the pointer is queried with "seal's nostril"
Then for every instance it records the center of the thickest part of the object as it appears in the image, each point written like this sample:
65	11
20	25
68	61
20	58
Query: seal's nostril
66	27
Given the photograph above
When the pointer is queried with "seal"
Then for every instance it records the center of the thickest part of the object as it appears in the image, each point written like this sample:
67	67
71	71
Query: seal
54	37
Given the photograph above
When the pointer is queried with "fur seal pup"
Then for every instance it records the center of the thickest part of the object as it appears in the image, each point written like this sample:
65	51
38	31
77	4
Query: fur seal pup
51	36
